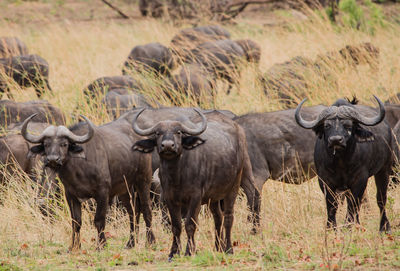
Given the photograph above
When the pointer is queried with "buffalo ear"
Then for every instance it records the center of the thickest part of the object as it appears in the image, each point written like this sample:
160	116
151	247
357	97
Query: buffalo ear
191	142
146	145
319	130
363	135
38	149
76	151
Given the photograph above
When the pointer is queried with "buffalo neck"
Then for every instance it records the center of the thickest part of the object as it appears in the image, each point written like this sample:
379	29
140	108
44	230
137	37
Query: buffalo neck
170	171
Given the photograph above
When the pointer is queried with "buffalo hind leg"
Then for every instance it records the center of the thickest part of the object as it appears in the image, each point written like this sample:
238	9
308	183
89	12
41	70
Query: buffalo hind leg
76	216
100	218
176	223
215	208
382	181
229	202
143	191
253	201
191	224
128	203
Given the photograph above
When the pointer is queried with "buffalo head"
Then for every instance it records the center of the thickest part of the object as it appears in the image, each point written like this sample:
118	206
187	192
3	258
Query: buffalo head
170	137
340	123
56	143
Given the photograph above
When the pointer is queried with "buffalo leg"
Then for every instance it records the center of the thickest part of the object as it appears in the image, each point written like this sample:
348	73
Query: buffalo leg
191	224
354	202
76	216
381	181
253	201
100	218
145	207
332	204
134	227
176	217
215	208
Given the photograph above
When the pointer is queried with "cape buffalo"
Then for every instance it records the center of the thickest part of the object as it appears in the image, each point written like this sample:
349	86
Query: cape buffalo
251	49
102	85
352	144
119	101
14	151
15	112
188	38
278	148
26	71
192	81
12	46
221	58
201	165
97	164
152	57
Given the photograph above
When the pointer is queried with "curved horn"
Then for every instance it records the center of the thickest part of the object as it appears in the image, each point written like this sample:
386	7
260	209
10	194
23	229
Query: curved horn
302	122
80	139
139	131
199	130
29	137
374	120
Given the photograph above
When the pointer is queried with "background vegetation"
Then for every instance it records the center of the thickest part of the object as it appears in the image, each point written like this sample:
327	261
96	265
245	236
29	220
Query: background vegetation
292	235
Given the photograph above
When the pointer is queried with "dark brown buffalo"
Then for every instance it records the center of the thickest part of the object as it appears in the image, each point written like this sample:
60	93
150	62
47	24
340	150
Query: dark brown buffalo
290	80
203	163
102	85
193	81
15	112
221	58
26	71
251	49
151	57
119	101
353	143
14	152
12	46
97	164
187	39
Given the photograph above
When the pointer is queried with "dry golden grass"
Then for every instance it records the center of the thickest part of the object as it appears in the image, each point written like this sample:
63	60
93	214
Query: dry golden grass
292	234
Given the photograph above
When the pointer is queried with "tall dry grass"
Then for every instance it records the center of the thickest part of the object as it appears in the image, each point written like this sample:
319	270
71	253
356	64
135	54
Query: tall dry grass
292	234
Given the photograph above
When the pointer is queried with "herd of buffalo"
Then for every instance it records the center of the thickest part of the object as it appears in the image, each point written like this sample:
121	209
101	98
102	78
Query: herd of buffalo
190	156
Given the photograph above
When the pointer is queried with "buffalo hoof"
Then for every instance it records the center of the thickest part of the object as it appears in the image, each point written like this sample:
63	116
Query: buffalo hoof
130	244
170	258
151	239
229	250
385	229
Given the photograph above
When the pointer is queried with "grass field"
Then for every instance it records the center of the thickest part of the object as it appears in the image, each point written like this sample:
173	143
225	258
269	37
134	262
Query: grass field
293	234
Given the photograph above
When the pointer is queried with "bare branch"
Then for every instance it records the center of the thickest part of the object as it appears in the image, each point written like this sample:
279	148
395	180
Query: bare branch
123	15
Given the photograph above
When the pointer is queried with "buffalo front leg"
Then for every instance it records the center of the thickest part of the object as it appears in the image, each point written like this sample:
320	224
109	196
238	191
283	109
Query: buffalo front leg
331	199
191	224
354	202
100	218
381	181
176	223
76	216
215	208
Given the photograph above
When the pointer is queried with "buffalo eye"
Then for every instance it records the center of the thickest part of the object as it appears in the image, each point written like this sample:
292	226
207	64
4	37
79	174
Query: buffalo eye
178	132
327	126
63	144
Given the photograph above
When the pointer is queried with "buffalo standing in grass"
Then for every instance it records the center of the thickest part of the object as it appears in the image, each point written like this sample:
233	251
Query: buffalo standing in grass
14	112
102	85
201	165
26	71
152	57
12	46
187	39
119	101
352	145
192	81
97	164
221	58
